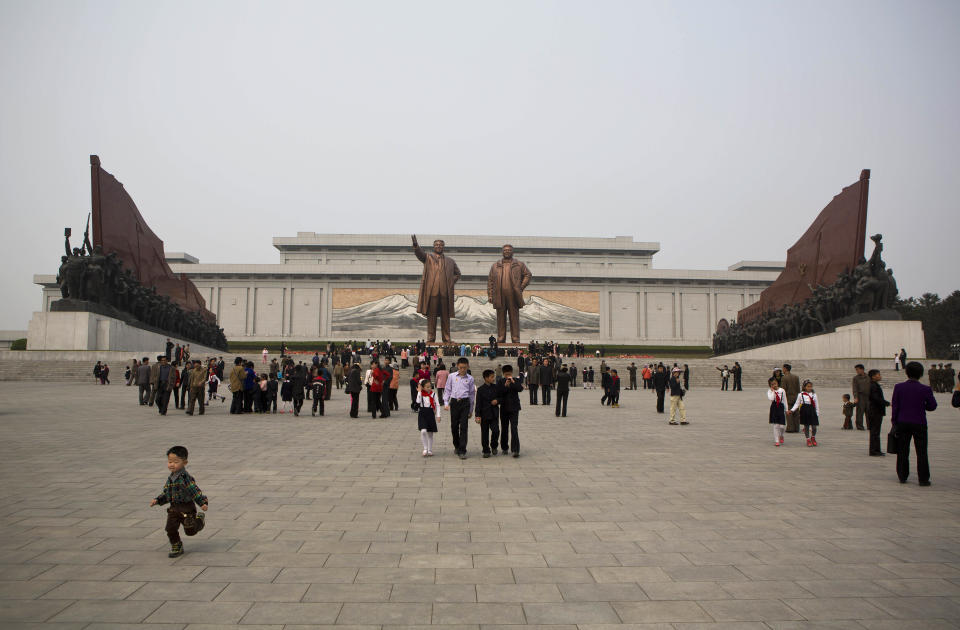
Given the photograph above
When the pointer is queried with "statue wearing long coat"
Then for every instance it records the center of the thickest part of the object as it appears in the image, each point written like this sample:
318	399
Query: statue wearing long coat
436	270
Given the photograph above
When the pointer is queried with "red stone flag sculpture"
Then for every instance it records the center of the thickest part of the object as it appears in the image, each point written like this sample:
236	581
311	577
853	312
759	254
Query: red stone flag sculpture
833	242
119	227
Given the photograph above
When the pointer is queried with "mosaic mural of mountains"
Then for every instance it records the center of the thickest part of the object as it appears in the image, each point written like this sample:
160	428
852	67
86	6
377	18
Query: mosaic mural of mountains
395	316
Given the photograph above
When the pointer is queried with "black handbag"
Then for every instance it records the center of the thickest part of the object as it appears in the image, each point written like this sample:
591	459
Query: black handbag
892	447
956	398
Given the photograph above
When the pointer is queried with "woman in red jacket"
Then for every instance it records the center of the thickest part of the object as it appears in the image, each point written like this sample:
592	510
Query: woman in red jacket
377	377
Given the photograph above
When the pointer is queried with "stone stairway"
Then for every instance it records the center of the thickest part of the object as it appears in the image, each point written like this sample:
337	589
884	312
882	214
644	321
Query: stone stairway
54	371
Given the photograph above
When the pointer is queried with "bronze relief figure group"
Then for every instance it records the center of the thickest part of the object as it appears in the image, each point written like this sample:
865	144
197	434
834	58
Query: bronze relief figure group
506	281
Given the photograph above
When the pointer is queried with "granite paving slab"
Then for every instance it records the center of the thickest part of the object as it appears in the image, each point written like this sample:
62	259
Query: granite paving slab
609	520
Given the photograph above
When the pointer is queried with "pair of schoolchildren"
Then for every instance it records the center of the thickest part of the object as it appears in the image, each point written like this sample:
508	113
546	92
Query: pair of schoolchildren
497	412
807	404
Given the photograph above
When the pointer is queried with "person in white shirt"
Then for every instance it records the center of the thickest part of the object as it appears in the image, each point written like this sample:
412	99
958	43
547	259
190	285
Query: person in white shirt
428	414
778	409
809	407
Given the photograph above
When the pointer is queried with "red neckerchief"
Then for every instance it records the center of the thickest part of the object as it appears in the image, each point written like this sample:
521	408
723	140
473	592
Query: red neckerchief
777	394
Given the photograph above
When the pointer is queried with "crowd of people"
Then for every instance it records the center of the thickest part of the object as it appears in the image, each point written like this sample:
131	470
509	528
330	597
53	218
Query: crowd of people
372	371
493	401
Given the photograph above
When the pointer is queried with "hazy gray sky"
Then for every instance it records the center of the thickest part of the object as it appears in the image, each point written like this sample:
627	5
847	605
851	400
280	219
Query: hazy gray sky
719	129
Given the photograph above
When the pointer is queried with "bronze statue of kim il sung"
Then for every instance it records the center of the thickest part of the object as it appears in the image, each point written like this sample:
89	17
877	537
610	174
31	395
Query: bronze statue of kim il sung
436	297
505	284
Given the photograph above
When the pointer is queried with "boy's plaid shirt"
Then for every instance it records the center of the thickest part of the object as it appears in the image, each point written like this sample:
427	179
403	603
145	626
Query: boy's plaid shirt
181	487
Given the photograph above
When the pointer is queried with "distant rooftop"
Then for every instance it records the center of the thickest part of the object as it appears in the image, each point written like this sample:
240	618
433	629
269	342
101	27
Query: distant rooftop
463	242
180	258
758	265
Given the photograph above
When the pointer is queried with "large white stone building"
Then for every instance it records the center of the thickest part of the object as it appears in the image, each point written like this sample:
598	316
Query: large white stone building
345	286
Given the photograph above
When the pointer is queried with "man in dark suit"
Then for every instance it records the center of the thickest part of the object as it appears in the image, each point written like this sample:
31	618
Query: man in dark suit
546	380
660	379
563	391
509	391
876	410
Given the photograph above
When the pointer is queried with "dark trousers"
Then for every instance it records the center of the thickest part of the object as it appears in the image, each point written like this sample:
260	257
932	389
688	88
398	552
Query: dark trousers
297	405
562	402
533	394
686	382
724	383
873	423
163	398
144	394
184	388
236	405
918	433
175	519
176	398
354	404
317	404
490	430
861	412
196	394
385	404
508	426
847	421
394	403
545	394
660	395
459	423
633	382
248	401
373	403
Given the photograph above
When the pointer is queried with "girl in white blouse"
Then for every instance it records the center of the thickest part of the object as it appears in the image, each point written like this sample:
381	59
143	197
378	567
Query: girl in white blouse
778	409
809	407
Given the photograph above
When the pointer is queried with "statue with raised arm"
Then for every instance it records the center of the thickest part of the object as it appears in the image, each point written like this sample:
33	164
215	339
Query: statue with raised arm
440	274
505	284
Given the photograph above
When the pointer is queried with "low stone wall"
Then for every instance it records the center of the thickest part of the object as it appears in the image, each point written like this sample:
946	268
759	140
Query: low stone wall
864	339
94	332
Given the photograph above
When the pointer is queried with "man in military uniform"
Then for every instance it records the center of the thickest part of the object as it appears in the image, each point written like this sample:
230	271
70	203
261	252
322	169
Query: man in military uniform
934	375
790	383
506	281
861	393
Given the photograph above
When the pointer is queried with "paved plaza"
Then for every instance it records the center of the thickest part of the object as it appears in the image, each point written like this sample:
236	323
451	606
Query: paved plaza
609	518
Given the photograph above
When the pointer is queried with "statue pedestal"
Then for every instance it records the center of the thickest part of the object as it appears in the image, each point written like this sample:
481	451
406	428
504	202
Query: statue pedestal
82	330
867	339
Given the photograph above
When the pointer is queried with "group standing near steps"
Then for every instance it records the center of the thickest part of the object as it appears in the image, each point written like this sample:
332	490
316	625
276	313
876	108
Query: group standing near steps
494	402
